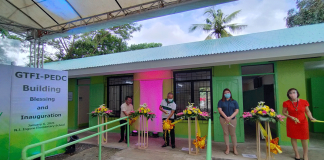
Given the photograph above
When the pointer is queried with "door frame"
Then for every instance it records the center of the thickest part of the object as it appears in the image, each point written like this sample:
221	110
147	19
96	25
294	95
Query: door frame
77	99
275	76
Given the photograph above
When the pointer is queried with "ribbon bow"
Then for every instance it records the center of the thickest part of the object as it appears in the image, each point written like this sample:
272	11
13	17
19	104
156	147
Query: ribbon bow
274	147
200	142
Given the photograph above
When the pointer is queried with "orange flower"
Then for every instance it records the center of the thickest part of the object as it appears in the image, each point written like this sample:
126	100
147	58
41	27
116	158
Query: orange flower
200	142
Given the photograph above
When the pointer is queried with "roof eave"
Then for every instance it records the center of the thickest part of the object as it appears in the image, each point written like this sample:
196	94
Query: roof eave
262	55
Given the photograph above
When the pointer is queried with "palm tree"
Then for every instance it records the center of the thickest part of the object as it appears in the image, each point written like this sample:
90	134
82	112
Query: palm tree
217	22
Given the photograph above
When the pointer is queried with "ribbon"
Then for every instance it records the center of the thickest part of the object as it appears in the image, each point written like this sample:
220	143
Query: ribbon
132	120
317	121
274	147
167	126
199	141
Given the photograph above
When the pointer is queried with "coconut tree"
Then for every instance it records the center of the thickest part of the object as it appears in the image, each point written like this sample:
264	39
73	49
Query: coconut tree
217	23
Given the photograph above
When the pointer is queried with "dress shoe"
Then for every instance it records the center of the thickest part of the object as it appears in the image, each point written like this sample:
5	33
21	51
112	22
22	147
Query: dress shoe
164	145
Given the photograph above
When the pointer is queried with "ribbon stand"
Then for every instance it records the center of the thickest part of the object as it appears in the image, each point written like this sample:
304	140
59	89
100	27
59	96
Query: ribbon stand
258	138
143	133
103	119
189	136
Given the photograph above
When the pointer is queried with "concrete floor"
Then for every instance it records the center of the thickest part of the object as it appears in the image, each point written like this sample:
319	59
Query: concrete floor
156	152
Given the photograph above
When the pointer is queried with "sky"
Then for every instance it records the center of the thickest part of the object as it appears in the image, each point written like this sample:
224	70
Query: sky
258	15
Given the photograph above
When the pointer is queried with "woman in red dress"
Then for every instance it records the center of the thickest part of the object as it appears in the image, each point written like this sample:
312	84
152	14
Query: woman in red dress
297	125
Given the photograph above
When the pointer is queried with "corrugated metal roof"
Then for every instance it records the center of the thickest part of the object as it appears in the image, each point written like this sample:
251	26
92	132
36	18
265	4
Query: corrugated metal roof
272	39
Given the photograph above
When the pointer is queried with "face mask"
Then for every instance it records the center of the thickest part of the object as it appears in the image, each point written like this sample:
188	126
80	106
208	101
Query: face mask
170	100
228	95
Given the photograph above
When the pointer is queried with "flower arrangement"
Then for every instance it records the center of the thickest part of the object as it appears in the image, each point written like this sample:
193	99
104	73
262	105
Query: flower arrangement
263	113
191	112
143	110
102	110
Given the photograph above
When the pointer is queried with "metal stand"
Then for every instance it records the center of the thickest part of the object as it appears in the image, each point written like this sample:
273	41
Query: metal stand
36	51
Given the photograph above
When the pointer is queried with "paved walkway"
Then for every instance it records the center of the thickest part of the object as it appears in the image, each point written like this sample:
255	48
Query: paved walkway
156	152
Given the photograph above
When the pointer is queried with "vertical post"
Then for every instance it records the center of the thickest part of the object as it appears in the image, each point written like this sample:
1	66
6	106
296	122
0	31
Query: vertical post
209	145
196	127
268	145
189	134
42	152
139	131
103	127
146	132
43	54
127	132
34	48
98	127
30	53
38	53
258	139
100	139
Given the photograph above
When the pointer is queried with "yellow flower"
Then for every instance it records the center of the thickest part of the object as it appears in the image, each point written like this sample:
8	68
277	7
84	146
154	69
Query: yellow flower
144	111
142	108
189	112
199	112
267	107
272	114
185	112
148	110
260	112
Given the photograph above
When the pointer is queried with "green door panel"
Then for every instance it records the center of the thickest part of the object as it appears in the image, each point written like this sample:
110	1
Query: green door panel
96	99
317	87
235	85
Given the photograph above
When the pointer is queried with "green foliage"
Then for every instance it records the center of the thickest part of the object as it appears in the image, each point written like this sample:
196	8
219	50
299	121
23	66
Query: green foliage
217	22
99	42
308	12
143	46
5	34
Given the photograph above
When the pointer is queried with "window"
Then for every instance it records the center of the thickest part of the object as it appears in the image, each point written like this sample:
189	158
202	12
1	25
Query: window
193	87
118	89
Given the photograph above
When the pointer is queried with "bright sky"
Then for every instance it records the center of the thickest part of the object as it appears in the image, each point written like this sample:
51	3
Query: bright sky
259	15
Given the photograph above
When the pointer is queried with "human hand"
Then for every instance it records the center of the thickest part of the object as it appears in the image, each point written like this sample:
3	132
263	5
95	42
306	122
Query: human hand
312	119
295	119
228	119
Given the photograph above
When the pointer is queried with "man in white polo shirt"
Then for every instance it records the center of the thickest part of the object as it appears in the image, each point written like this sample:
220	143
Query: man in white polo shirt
125	110
168	108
